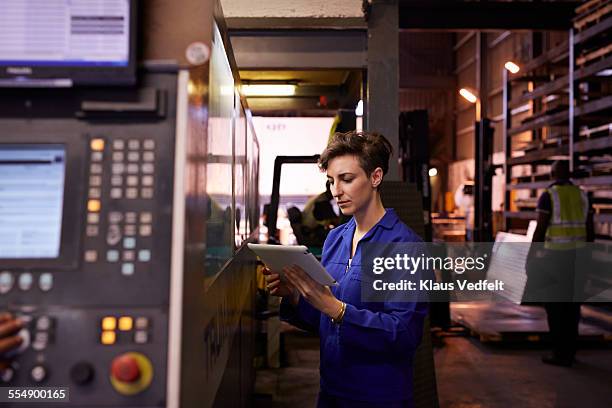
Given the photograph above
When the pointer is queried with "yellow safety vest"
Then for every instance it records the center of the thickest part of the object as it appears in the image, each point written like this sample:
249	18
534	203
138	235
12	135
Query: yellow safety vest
567	226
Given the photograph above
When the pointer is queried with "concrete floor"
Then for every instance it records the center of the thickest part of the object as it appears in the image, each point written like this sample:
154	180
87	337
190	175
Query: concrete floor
469	375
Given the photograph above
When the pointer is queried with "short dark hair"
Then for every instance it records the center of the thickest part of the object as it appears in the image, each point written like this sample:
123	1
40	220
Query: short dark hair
372	149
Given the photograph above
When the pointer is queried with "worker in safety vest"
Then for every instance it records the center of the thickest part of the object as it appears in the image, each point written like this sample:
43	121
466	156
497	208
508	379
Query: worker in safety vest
565	224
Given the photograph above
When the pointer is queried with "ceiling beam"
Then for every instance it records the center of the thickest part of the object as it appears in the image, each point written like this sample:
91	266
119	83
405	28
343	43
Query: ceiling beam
287	50
489	15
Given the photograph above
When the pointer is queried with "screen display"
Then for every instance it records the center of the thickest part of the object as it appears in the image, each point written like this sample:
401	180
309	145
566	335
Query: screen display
64	33
31	200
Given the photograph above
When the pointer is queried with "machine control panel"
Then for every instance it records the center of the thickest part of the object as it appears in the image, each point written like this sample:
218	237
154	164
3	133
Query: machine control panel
89	269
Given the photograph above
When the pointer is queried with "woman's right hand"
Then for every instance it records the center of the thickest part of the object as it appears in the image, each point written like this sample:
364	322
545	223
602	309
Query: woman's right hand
278	287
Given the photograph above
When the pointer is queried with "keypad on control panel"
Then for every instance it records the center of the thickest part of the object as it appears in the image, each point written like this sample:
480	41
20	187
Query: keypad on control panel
133	168
124	239
132	176
125	329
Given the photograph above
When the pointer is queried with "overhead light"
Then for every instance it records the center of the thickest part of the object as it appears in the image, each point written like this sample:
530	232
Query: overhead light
469	96
268	90
359	108
512	67
433	172
604	73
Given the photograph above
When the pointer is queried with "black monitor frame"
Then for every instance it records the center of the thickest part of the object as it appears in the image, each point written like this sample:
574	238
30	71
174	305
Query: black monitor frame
73	205
29	76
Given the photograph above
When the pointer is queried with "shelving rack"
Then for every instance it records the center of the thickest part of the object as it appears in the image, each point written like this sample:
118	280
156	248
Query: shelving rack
569	104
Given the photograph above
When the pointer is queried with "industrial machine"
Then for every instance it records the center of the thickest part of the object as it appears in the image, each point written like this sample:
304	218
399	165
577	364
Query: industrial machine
127	197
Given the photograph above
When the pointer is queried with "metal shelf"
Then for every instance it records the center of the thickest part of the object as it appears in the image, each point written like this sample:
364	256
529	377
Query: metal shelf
591	47
547	120
523	215
549	88
594	106
538	155
600	143
593	68
590	32
586	181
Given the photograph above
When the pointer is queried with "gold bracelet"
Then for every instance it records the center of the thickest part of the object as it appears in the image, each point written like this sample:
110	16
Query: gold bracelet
338	319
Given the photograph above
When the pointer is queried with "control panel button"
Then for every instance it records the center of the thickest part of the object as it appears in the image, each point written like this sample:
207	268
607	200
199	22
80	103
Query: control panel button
97	145
108	338
6	282
129	230
118	168
25	281
147	181
94	192
145	230
91	255
126	323
133	144
141	337
129	256
148	156
148	168
129	243
148	144
95	181
45	282
130	217
115	217
82	373
127	269
95	168
141	323
144	255
112	255
113	235
131	193
7	374
146	192
92	230
109	323
116	181
43	323
38	373
93	218
125	368
132	181
132	168
131	373
118	144
133	156
93	205
118	156
41	340
96	156
146	217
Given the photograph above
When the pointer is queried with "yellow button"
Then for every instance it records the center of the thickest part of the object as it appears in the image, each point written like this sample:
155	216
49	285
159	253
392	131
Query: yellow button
97	144
93	205
108	337
125	323
109	323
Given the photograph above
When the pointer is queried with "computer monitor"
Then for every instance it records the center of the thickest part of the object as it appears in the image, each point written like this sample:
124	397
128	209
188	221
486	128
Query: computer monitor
31	200
64	43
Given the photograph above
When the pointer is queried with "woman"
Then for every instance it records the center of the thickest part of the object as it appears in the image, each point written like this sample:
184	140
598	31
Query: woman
367	349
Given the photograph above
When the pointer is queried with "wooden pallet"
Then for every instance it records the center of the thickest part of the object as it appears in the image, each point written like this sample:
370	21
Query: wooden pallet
591	13
596	55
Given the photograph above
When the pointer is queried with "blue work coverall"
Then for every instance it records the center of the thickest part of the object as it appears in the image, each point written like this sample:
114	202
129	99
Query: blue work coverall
369	356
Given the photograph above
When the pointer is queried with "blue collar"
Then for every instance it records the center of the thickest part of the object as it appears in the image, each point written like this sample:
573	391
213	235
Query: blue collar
388	221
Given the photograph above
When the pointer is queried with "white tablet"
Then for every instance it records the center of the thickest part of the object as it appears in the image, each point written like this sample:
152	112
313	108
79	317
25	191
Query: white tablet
276	257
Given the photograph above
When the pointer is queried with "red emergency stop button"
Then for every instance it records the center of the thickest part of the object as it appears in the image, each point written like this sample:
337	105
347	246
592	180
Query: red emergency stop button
125	368
131	373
